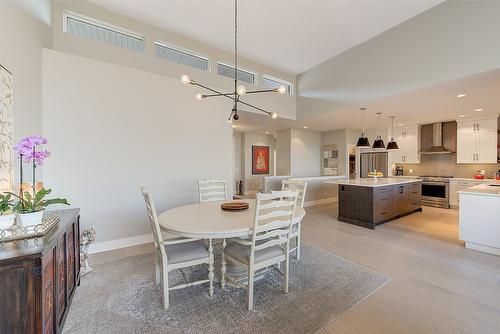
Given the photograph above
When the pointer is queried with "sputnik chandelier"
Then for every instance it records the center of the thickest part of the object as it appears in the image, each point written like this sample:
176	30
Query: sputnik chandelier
239	90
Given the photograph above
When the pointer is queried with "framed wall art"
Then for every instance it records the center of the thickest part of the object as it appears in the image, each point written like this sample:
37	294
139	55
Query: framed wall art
260	160
6	129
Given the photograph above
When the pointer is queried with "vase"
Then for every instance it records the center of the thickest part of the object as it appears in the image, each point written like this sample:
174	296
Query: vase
6	221
27	219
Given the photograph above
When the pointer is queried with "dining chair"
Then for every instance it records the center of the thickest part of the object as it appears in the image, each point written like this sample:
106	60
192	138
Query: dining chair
270	241
301	187
210	190
177	253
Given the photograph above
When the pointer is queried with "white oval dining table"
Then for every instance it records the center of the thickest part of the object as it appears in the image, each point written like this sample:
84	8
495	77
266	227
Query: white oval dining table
209	221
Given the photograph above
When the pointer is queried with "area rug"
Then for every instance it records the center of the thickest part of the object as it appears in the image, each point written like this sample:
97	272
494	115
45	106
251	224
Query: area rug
121	297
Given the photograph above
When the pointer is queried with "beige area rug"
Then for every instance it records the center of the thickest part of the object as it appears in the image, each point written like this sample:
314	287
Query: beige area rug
121	297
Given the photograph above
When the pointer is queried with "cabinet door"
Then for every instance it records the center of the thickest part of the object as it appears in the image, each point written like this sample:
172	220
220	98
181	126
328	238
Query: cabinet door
466	127
48	292
466	148
61	276
487	125
486	147
70	259
17	297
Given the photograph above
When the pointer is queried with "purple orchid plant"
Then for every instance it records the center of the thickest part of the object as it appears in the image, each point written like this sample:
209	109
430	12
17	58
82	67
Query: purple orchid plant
27	152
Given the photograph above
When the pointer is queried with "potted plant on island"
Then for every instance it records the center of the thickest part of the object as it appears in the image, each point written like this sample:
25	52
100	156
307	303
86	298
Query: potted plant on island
31	205
7	216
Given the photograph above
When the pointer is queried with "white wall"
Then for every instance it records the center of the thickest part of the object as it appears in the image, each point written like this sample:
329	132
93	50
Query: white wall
305	153
24	30
253	182
113	129
283	152
238	157
285	106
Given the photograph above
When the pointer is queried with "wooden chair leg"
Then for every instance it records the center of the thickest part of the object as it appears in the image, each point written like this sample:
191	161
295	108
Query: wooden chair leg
250	289
165	285
223	266
210	268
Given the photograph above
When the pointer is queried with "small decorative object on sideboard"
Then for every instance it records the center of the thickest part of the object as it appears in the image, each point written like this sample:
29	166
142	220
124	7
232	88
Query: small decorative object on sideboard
88	238
31	204
7	216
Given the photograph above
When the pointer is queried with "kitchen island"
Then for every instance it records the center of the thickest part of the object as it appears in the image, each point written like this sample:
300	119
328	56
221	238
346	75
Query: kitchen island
479	217
371	202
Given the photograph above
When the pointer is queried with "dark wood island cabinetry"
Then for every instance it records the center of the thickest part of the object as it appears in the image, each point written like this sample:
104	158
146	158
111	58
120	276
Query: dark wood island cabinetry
38	278
369	203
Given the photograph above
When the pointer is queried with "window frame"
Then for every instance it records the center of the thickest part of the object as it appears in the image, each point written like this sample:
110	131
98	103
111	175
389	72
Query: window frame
102	25
255	74
285	83
184	50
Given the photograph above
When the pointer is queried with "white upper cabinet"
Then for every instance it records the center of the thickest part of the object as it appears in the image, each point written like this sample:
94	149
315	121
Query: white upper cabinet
477	140
408	139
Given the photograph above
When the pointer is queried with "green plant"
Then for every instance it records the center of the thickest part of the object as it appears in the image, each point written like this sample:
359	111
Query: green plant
5	204
29	204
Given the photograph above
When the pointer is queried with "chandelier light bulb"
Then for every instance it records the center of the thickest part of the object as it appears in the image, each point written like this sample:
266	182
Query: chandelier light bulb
241	90
282	89
185	79
199	97
274	115
229	120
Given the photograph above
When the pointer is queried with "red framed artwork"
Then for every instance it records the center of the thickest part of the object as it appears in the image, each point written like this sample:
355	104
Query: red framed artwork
260	160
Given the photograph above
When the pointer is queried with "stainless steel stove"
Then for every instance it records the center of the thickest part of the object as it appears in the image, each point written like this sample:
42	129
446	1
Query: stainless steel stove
436	191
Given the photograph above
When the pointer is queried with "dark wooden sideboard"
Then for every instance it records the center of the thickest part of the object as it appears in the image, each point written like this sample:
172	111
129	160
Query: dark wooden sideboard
38	278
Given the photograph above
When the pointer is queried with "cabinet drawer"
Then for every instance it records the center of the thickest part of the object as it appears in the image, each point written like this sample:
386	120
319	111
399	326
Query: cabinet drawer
383	193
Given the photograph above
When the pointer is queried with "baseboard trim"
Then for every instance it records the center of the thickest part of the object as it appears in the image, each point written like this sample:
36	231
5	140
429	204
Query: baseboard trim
482	248
105	246
321	201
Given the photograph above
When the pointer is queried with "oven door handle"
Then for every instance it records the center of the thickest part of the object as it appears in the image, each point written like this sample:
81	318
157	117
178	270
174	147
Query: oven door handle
435	183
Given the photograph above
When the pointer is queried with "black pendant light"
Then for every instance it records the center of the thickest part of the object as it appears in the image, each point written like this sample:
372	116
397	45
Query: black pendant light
363	140
392	145
378	143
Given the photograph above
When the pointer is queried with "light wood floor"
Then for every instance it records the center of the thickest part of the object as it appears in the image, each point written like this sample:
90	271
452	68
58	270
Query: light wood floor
437	286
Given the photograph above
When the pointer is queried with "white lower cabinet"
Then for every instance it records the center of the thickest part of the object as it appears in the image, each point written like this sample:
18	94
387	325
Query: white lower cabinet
457	185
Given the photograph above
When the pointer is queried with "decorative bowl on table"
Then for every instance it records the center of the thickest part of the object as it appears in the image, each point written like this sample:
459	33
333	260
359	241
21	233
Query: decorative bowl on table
375	174
234	206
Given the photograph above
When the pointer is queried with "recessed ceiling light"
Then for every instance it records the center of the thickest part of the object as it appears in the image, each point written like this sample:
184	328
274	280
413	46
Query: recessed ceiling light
461	116
460	95
478	109
400	124
305	126
267	132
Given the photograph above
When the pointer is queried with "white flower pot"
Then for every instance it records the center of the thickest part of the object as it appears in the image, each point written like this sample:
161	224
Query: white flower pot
27	219
6	221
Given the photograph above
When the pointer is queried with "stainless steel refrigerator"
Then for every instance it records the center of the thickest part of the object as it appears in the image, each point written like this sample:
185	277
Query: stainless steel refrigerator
374	161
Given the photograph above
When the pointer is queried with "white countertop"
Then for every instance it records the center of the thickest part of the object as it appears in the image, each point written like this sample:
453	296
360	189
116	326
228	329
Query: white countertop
470	179
483	189
379	182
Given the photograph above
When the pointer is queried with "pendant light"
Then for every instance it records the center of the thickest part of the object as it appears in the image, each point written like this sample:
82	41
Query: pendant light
392	145
363	140
378	143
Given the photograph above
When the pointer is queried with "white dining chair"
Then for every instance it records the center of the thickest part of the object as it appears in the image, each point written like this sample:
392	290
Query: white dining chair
210	190
270	241
177	253
301	187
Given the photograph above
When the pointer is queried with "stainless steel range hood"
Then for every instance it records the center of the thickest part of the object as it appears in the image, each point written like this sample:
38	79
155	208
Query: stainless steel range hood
437	141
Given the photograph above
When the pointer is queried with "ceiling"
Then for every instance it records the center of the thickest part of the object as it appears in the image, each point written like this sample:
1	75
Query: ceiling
289	35
431	104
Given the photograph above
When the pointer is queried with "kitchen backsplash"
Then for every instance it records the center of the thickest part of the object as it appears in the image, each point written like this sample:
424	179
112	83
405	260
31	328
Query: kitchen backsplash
445	165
